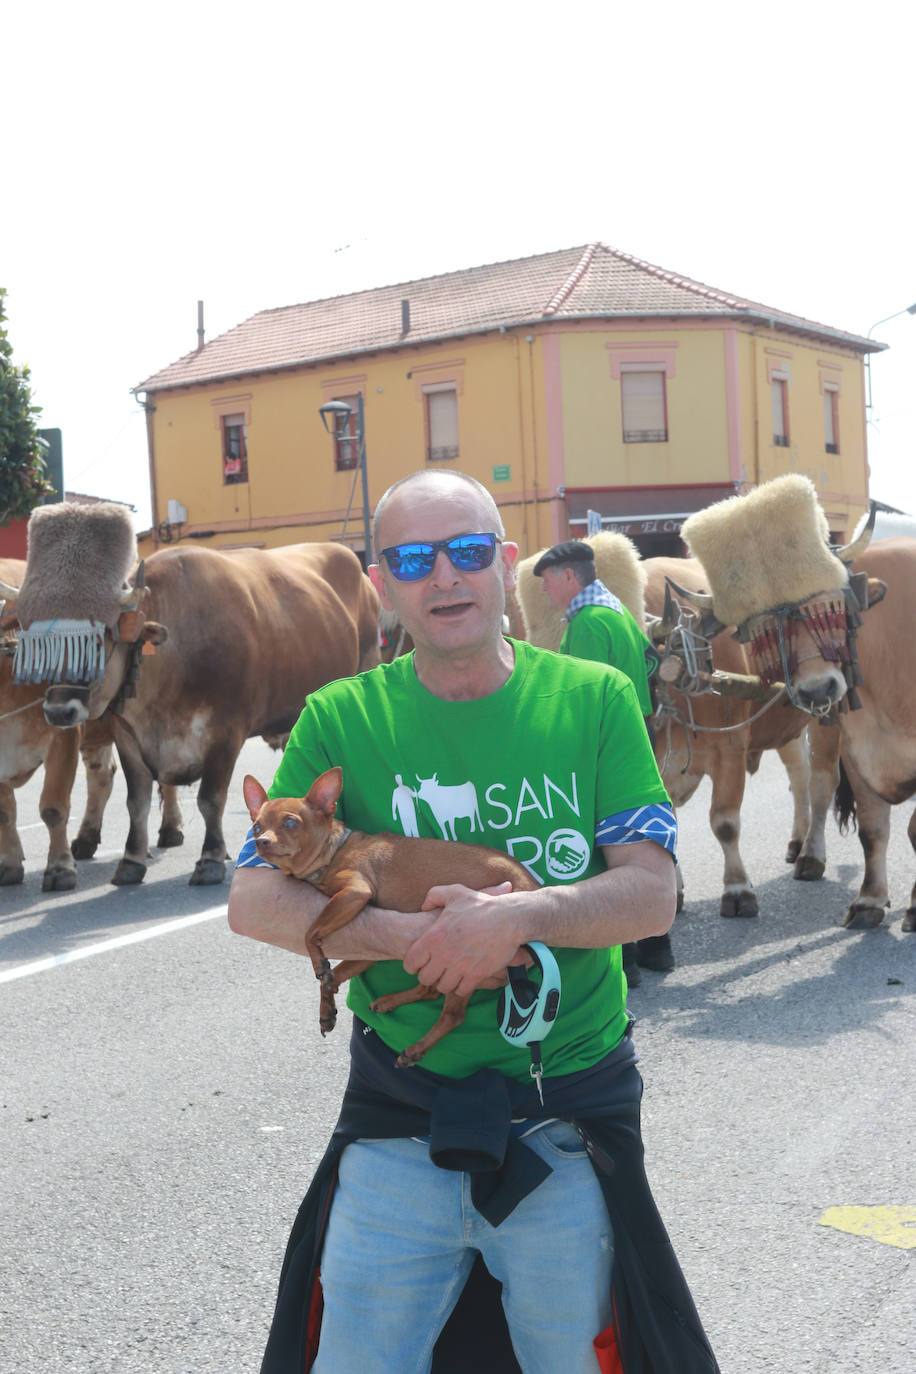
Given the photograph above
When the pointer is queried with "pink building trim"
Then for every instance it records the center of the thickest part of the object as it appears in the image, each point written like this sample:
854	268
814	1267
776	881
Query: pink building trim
556	457
733	404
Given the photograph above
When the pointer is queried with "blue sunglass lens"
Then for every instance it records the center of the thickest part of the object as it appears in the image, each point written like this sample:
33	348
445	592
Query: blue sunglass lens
467	553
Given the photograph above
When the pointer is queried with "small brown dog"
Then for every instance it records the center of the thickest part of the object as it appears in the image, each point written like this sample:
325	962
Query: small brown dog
301	837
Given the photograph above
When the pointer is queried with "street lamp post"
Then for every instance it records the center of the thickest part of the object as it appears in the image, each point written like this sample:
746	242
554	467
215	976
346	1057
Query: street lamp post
340	413
907	310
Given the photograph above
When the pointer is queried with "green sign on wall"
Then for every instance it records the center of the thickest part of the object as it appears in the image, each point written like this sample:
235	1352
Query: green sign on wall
501	472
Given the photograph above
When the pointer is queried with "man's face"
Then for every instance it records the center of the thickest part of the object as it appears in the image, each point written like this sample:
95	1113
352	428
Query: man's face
560	586
449	611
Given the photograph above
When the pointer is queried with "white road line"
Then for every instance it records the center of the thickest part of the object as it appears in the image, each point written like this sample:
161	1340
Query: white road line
119	941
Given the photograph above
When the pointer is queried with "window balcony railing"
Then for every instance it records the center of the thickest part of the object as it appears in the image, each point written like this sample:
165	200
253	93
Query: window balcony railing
832	448
442	453
645	436
781	440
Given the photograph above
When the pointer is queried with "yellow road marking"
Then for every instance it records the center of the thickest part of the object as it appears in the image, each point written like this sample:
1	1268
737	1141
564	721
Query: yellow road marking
887	1225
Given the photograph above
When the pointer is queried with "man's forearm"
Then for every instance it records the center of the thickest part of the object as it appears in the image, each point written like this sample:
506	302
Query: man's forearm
266	905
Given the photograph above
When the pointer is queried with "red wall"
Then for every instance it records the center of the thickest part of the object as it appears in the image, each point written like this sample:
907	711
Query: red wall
13	539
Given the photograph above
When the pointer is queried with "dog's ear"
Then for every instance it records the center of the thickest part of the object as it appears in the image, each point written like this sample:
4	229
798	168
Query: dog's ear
254	795
325	790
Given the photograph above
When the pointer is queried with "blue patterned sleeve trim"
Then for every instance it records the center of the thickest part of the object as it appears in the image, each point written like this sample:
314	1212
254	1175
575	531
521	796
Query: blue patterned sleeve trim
656	823
249	856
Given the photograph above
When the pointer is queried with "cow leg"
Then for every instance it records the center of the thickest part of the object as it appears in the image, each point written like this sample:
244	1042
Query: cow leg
131	869
61	763
873	815
909	920
211	801
12	867
171	826
738	897
824	759
98	761
794	757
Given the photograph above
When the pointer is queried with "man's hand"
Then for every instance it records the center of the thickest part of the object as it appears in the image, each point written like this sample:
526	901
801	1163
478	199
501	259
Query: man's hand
470	943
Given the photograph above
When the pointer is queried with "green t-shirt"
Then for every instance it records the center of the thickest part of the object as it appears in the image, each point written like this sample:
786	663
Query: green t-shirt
607	635
529	769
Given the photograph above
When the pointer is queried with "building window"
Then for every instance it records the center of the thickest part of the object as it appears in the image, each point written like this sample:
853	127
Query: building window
645	414
779	403
441	400
346	441
235	449
831	419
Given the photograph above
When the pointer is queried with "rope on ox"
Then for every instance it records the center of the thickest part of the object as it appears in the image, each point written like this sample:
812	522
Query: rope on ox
695	652
19	709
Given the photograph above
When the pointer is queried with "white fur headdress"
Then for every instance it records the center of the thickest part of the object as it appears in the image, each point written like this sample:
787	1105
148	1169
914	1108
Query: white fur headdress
766	549
77	561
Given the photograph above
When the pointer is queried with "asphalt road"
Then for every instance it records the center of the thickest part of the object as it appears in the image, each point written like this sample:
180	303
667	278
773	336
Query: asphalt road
166	1094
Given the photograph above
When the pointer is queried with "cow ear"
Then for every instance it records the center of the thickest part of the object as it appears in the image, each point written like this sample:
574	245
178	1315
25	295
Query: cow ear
325	790
254	795
877	591
154	633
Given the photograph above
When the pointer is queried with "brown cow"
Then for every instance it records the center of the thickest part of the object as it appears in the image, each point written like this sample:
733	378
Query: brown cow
722	741
240	638
844	651
27	742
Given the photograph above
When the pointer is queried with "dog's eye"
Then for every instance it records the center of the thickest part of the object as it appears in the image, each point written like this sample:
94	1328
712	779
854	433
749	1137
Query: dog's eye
255	829
289	822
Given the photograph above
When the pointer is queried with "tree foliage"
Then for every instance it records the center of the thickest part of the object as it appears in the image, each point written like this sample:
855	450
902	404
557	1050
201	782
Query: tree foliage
23	475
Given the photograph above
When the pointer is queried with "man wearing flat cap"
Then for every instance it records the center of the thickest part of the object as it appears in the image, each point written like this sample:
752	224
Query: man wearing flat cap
599	627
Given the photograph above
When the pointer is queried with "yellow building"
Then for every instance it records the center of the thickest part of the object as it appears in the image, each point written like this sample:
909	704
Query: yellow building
572	382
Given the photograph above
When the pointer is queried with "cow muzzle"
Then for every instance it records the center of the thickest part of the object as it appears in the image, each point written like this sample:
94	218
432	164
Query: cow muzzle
818	696
66	705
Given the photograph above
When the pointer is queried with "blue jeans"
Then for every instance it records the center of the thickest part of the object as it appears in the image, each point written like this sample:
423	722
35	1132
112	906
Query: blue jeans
402	1238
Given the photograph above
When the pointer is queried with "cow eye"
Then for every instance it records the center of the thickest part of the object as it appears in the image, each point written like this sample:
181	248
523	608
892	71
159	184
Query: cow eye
289	822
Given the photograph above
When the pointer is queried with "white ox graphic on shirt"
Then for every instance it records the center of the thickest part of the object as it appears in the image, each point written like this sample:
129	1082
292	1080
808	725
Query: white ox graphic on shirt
450	804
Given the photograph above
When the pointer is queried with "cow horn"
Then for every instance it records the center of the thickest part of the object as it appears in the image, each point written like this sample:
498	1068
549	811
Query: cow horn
128	595
850	552
11	593
702	600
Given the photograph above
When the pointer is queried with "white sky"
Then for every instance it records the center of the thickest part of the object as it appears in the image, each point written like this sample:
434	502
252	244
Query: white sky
257	155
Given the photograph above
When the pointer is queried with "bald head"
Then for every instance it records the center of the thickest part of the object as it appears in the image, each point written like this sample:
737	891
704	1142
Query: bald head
431	484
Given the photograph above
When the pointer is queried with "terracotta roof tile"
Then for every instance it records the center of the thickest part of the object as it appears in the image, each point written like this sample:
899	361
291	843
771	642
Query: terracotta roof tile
589	281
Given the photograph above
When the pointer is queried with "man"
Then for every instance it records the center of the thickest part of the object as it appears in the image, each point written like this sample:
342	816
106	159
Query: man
565	780
599	627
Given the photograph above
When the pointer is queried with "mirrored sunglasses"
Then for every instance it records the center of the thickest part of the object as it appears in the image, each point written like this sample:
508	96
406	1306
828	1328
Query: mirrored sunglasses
466	552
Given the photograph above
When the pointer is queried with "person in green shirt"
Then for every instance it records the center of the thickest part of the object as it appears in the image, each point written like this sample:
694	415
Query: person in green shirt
481	738
600	628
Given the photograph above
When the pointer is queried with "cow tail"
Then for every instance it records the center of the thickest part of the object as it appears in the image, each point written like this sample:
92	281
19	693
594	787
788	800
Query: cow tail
844	803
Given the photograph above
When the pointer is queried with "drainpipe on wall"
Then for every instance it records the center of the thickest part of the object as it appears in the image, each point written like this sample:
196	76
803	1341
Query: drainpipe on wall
521	447
149	408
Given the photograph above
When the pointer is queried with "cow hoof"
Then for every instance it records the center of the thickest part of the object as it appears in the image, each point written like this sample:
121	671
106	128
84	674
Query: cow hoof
739	904
11	874
58	880
207	872
129	873
808	869
863	917
170	837
654	952
793	851
909	920
85	844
